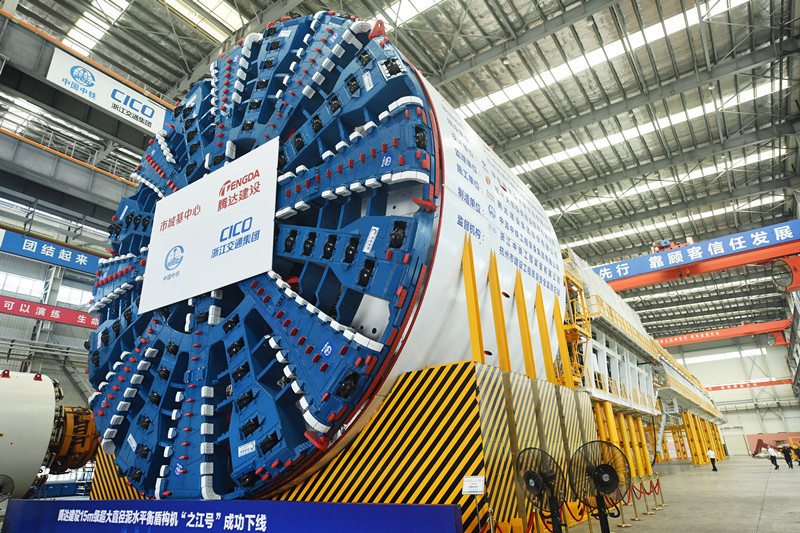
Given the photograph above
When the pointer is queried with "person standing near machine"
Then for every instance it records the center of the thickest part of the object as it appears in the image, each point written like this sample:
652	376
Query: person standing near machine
787	454
773	456
713	458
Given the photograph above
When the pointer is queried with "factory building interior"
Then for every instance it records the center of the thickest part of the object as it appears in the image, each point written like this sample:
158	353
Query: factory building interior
436	265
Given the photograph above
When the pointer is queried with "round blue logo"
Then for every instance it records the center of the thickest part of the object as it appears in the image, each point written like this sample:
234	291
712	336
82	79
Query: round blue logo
82	75
174	258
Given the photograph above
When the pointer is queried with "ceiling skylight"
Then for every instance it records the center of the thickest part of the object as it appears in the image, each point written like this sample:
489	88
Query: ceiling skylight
225	19
90	28
640	130
604	54
660	226
714	169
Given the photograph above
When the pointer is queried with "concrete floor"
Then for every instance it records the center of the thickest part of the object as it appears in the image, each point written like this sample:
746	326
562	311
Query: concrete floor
746	495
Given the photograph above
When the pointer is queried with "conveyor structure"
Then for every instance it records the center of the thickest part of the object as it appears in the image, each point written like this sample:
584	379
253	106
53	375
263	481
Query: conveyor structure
244	389
623	364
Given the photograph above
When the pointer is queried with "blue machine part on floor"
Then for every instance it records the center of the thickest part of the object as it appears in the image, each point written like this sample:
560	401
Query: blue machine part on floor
235	392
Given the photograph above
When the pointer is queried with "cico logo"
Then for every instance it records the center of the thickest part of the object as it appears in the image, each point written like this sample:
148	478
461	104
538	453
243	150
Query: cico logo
229	185
243	226
174	258
132	103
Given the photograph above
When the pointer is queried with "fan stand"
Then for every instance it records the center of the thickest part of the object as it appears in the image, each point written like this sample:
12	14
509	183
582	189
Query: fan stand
602	515
555	513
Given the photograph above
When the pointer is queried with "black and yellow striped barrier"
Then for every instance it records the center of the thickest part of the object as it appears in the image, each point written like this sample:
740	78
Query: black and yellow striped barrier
108	482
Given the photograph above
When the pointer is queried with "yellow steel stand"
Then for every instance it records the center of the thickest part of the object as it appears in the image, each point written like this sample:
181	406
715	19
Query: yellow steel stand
613	436
524	327
600	423
659	457
718	436
646	460
718	448
643	444
679	438
698	454
714	436
685	448
634	440
566	364
499	316
665	449
473	309
698	440
544	336
687	427
703	445
637	454
707	436
626	445
626	449
701	434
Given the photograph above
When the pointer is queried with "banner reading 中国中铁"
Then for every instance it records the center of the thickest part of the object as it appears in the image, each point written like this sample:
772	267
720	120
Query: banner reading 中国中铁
100	89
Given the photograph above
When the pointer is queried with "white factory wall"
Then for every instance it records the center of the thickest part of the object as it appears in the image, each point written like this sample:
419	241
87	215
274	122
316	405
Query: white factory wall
741	360
13	328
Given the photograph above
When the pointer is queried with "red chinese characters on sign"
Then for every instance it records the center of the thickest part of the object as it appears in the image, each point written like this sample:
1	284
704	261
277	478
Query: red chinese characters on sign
243	194
689	337
180	217
13	306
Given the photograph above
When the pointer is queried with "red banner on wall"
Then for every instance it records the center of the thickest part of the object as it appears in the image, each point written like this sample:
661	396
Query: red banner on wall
13	306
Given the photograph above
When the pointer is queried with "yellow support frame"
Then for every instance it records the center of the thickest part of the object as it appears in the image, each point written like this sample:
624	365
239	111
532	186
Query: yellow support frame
473	308
627	420
648	468
524	327
544	336
600	422
499	315
633	458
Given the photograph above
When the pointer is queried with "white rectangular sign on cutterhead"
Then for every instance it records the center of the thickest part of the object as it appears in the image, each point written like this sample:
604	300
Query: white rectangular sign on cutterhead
214	232
100	89
473	485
